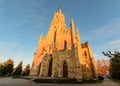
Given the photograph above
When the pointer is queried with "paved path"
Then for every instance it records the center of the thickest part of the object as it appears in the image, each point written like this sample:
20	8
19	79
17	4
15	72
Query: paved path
23	82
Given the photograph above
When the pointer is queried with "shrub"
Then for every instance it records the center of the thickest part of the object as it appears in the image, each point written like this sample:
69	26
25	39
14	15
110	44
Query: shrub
100	78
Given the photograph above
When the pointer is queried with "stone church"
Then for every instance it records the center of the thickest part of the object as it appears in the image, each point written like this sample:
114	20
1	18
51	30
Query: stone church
61	54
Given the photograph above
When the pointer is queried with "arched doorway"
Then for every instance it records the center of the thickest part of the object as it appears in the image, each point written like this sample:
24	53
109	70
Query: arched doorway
39	67
50	67
65	69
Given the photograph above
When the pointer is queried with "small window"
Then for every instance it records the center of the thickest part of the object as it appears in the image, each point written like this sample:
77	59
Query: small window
85	53
65	45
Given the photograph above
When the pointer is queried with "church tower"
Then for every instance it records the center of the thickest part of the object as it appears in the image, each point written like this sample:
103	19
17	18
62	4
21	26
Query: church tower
61	54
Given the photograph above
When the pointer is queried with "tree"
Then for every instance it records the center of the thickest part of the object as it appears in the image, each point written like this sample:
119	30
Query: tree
102	66
18	69
114	63
9	66
6	68
1	69
26	70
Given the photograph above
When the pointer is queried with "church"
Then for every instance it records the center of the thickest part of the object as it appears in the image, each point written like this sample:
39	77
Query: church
61	54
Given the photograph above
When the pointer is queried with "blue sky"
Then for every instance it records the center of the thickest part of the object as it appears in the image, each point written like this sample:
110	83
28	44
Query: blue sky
22	21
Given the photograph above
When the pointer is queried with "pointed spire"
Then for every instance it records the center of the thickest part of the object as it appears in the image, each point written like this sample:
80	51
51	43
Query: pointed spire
77	33
72	26
40	39
60	10
72	33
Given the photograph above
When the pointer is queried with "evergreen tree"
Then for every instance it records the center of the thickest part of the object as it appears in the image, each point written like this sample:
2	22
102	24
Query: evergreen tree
18	69
6	68
9	66
114	63
2	69
26	70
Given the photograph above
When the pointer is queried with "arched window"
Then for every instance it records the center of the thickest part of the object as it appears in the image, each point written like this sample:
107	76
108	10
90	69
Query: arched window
65	69
85	53
65	45
50	67
55	36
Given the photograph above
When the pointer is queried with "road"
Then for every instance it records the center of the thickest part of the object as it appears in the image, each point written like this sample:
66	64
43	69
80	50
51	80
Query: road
23	82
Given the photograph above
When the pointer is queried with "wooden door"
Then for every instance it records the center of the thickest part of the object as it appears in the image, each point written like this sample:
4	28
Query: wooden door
65	69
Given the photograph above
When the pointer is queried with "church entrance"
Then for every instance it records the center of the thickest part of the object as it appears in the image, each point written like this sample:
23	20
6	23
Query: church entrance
50	67
65	69
39	67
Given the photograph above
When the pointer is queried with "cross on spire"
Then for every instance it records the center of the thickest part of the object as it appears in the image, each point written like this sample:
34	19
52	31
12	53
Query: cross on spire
60	8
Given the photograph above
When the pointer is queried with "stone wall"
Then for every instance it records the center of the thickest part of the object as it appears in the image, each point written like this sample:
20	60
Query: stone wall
58	58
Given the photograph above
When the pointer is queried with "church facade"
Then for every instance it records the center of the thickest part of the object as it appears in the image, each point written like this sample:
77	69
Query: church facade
61	54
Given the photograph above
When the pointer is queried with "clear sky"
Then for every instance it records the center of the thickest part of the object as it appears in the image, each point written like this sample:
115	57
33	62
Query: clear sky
22	21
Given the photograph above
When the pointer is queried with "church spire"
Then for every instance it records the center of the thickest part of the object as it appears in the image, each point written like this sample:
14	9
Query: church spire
72	33
77	34
72	26
58	21
40	39
60	10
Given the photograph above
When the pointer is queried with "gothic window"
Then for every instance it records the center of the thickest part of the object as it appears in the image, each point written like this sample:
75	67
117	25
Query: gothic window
55	36
39	67
85	53
65	45
65	69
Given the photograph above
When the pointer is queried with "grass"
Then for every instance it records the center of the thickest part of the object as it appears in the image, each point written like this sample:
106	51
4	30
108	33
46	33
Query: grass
117	81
